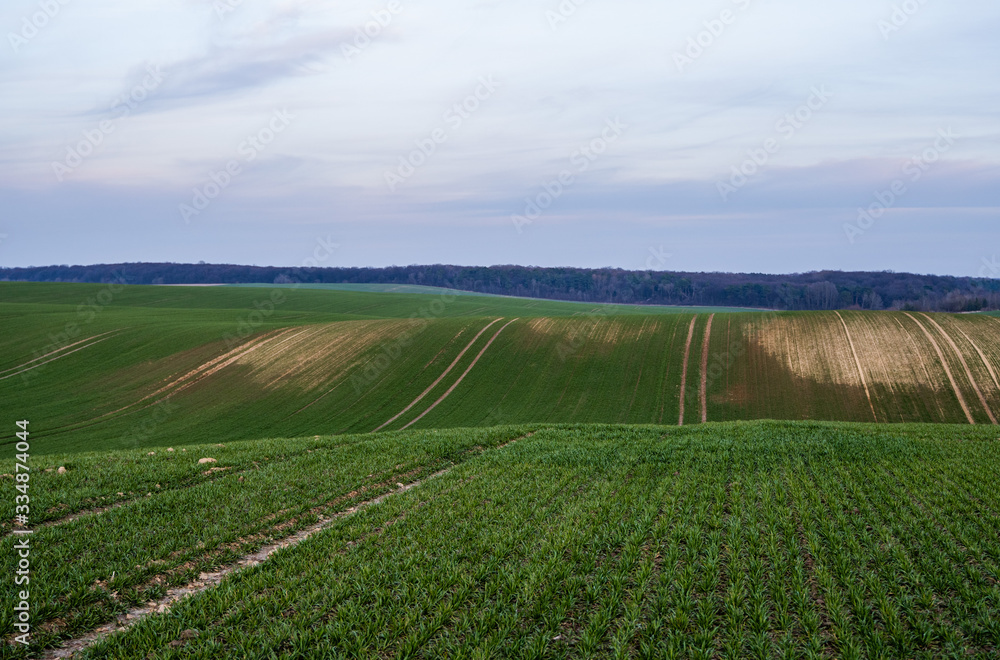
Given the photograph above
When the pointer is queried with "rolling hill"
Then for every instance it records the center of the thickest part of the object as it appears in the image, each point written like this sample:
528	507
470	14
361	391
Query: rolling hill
270	472
97	367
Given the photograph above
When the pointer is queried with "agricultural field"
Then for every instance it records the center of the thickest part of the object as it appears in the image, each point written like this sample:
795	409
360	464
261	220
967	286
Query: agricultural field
138	366
260	472
719	540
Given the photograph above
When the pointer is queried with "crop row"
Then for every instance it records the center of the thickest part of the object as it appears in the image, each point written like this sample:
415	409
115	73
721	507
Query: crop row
90	569
758	540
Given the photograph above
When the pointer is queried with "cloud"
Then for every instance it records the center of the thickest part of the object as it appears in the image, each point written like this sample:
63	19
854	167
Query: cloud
229	70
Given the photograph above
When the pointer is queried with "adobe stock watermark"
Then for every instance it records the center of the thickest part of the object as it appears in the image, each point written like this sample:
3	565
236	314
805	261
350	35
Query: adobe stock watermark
86	312
146	429
990	268
249	323
657	258
579	333
900	16
218	180
913	170
580	161
225	7
22	532
427	146
787	127
93	138
698	44
390	352
365	34
562	13
35	23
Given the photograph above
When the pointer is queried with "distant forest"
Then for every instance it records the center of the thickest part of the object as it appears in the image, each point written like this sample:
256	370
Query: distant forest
816	290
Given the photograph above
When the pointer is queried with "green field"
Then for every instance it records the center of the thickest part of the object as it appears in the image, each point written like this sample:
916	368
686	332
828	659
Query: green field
138	366
427	475
736	540
436	290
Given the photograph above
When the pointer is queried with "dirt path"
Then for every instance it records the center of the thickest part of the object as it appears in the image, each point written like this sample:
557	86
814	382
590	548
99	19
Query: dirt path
464	374
857	361
684	370
965	365
947	369
439	378
704	370
58	357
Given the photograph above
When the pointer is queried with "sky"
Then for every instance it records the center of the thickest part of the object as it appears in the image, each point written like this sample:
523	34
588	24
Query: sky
732	135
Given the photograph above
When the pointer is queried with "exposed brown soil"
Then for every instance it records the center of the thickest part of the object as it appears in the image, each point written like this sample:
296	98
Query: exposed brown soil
947	369
965	365
861	372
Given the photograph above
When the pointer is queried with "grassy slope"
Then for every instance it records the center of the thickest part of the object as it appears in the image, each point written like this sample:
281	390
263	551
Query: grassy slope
554	364
372	288
736	539
420	289
316	304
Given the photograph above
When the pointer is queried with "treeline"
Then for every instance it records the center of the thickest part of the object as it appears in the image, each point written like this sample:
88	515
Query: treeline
816	290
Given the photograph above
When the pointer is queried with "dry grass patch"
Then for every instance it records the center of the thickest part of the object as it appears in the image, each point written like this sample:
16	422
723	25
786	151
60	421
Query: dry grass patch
318	356
816	347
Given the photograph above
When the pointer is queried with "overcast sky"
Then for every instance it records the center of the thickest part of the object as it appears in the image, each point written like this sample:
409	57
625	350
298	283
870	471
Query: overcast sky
727	135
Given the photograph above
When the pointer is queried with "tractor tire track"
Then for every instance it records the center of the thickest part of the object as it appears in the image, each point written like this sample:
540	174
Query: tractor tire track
58	350
58	357
684	369
704	370
947	369
197	374
206	581
965	365
460	378
439	378
857	362
216	363
982	356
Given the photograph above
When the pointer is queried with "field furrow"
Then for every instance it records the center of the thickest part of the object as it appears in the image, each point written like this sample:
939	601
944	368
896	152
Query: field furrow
947	369
965	367
857	362
684	369
710	541
703	396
